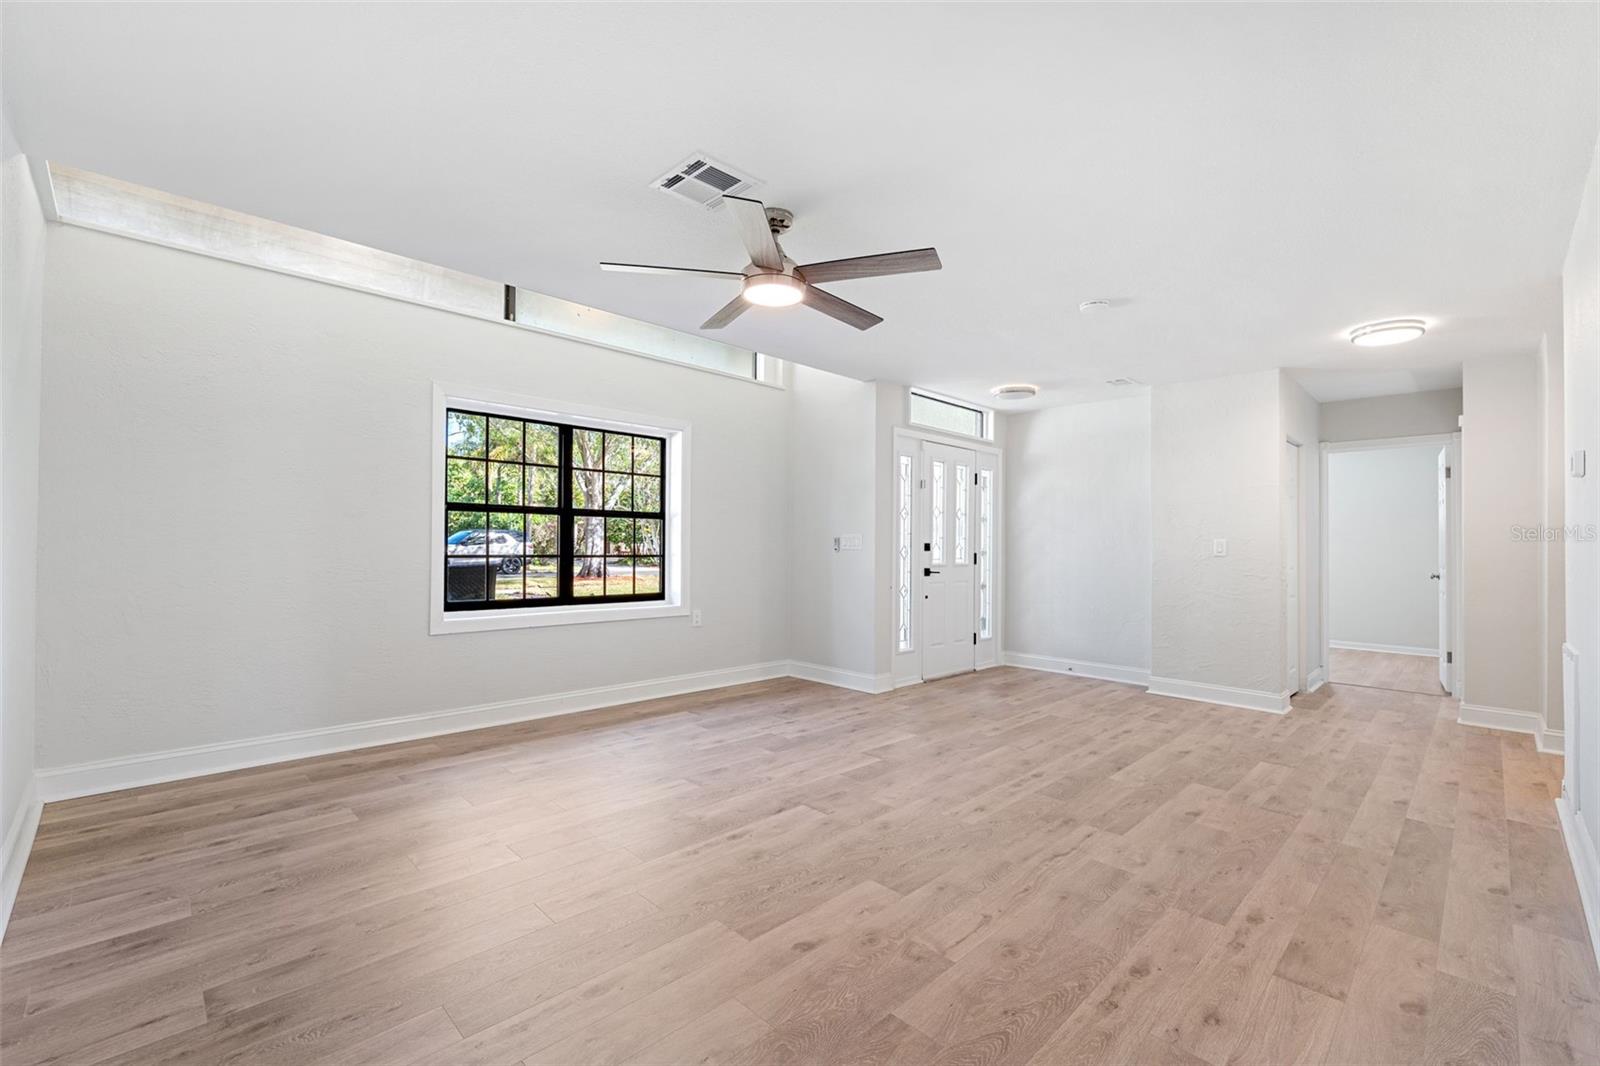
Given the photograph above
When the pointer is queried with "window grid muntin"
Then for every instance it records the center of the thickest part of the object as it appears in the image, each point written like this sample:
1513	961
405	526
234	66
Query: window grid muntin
936	512
564	510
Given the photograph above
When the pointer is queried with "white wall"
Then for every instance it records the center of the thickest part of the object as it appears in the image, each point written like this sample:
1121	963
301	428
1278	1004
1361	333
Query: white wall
1553	550
22	253
1412	414
1077	512
833	491
234	515
1501	451
1215	467
1383	542
1580	283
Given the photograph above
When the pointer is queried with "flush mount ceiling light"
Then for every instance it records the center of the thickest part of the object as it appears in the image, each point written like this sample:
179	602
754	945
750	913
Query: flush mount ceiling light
1390	331
1014	392
774	290
1089	307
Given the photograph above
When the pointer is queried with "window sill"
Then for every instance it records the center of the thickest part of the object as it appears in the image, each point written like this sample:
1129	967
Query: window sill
445	623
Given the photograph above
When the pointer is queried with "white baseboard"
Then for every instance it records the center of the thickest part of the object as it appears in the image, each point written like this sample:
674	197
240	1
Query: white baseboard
1585	866
18	843
1130	675
1389	649
1550	741
831	675
1248	698
1506	718
1316	679
113	775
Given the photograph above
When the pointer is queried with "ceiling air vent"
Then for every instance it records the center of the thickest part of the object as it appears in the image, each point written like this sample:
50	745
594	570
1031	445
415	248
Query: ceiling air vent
702	180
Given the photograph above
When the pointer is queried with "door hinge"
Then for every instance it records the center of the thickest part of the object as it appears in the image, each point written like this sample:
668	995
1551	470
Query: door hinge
974	558
1447	471
1449	656
974	638
974	477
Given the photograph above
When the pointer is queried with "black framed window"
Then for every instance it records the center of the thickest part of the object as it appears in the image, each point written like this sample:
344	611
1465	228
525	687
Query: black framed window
544	514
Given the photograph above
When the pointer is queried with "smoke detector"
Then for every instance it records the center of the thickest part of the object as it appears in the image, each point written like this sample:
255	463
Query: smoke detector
1014	392
703	181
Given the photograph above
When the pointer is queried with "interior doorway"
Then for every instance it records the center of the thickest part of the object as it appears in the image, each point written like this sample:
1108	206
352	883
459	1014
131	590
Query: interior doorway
1391	574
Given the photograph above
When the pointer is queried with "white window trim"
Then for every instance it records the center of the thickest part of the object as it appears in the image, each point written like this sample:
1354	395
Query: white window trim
985	415
676	561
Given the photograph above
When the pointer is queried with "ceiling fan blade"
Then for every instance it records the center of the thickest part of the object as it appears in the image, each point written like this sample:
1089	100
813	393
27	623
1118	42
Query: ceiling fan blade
693	272
843	310
750	219
730	311
871	266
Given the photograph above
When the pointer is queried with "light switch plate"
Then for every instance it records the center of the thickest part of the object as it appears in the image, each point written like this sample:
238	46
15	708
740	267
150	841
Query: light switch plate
1576	463
1219	547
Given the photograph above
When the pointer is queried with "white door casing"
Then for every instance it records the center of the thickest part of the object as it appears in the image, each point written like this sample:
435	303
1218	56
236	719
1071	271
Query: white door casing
1291	563
1441	572
946	509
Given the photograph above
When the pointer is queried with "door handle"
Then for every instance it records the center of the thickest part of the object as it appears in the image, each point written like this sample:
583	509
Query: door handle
1433	577
929	571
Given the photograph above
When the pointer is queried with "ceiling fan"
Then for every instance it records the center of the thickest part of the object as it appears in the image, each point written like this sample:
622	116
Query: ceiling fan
774	280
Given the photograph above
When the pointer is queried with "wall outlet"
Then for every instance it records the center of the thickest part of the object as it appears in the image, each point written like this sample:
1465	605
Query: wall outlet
1219	547
694	618
1576	463
850	542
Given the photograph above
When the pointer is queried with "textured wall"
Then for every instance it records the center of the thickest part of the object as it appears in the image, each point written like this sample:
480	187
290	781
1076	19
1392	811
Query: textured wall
1215	455
235	507
1412	414
1580	282
832	483
1500	476
1078	545
22	254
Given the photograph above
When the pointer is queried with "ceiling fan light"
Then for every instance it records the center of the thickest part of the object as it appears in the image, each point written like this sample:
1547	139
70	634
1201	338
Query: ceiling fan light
1390	331
773	290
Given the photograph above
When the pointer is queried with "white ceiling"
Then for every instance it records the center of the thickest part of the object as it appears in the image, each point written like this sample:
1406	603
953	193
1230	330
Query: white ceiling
1245	181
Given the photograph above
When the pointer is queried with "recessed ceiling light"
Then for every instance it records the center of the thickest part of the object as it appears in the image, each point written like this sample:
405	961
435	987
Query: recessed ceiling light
1014	392
1091	306
1390	331
773	290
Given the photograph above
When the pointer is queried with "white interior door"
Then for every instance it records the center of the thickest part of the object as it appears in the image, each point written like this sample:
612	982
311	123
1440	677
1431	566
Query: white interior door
1442	570
947	508
1291	561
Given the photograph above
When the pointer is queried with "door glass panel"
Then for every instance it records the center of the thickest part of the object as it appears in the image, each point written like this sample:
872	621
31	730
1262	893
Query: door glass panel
985	552
903	554
936	519
963	475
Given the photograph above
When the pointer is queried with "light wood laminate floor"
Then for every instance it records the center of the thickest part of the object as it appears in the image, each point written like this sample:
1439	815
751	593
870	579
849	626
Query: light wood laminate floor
1006	867
1384	669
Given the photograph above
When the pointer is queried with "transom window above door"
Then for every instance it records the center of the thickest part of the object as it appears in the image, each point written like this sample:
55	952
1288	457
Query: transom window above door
540	513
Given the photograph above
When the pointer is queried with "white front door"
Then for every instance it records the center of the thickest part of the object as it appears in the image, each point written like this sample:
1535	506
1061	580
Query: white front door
1441	572
946	509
